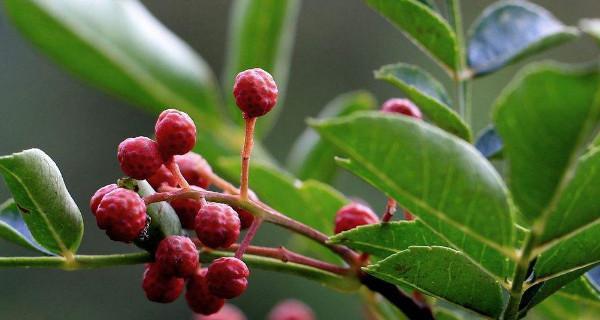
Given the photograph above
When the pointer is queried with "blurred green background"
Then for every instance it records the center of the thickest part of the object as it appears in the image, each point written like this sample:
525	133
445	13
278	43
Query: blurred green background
338	44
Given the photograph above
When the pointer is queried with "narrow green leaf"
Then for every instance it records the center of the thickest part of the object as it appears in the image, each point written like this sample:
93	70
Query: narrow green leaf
430	95
14	229
425	27
43	200
591	27
508	31
443	273
312	158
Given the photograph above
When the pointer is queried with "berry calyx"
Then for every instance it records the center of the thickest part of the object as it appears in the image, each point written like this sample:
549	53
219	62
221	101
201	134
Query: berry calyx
227	277
98	195
217	225
186	209
228	312
198	296
139	157
255	92
353	215
122	213
162	177
194	168
175	133
402	106
291	309
177	256
159	287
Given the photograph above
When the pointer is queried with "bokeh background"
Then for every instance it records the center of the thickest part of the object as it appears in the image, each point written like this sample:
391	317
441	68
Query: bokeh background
338	44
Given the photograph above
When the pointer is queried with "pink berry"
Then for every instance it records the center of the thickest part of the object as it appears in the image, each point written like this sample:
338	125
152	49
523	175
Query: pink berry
194	169
402	106
159	287
217	225
162	177
186	210
139	157
198	296
97	197
227	277
352	216
246	218
291	310
255	92
122	213
228	312
177	256
175	133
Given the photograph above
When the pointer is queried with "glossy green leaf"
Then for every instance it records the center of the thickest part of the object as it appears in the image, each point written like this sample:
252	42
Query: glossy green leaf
14	229
312	158
43	200
591	27
511	30
577	300
430	95
443	273
456	197
425	27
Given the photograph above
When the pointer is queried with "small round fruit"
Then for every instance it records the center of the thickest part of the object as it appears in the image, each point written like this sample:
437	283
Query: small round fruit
177	256
187	209
122	213
175	133
402	106
159	287
139	157
97	197
162	177
291	309
198	297
217	225
255	92
228	312
227	277
352	216
246	218
194	169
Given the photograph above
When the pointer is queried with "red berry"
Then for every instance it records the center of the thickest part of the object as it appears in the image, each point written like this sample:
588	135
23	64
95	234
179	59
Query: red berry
161	288
122	213
408	216
139	157
186	210
175	133
246	218
199	297
227	277
177	256
352	216
194	169
97	197
402	106
228	312
291	310
217	225
255	92
162	177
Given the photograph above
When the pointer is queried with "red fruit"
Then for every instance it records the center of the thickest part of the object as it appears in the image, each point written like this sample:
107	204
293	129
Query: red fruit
217	225
139	157
177	256
228	312
246	218
352	216
159	287
227	277
97	197
194	169
186	209
162	177
255	92
291	310
122	213
402	106
199	297
408	215
175	133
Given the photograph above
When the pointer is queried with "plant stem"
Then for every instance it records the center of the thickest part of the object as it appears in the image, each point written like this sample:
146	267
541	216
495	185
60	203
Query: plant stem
76	262
174	168
390	208
246	153
463	82
248	237
516	289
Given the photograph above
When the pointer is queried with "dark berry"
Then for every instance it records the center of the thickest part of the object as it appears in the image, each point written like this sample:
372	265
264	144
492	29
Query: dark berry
186	210
175	133
402	106
255	92
194	169
228	312
139	157
291	310
97	197
227	277
177	256
352	216
217	225
159	287
122	213
162	177
199	297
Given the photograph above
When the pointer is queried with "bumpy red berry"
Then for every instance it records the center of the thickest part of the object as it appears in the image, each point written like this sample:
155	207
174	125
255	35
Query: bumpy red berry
217	225
139	157
255	92
194	169
97	197
177	256
186	210
291	310
175	133
122	213
227	277
246	218
159	287
402	106
198	295
352	216
162	177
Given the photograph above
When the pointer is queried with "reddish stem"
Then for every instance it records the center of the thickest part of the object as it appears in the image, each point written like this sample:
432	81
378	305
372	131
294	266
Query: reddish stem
248	237
390	208
174	168
246	153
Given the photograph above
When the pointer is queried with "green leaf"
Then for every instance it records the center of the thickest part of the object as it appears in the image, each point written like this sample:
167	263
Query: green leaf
261	34
430	95
312	158
425	27
14	229
591	27
577	300
456	197
508	31
43	200
443	273
489	143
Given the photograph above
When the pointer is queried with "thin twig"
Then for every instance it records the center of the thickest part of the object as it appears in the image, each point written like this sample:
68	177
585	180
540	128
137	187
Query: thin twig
246	153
